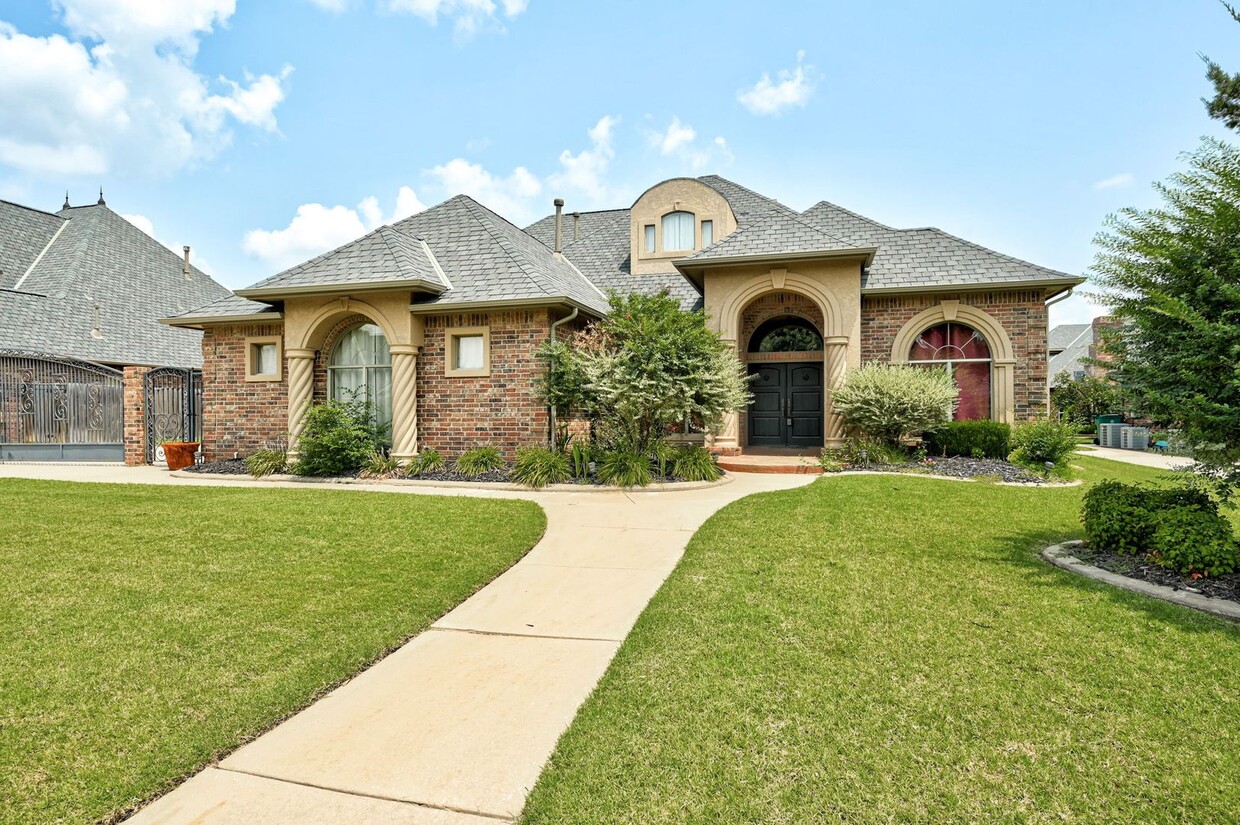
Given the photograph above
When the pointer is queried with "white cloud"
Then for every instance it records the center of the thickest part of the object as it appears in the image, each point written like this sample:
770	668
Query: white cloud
142	222
677	135
768	97
509	195
121	92
146	225
584	173
316	228
679	140
334	6
469	16
1122	179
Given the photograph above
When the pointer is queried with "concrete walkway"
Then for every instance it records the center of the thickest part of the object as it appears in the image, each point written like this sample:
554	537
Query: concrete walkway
1163	462
454	727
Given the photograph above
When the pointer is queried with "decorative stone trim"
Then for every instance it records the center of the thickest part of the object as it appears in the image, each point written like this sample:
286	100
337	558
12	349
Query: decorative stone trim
1061	556
452	336
253	341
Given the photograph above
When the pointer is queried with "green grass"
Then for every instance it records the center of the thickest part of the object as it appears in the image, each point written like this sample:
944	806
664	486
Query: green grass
891	649
146	630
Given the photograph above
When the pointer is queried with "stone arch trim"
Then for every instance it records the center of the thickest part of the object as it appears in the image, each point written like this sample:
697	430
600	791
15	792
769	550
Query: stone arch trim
730	315
753	315
328	317
1002	353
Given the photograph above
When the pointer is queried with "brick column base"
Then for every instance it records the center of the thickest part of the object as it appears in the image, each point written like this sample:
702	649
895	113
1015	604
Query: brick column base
134	381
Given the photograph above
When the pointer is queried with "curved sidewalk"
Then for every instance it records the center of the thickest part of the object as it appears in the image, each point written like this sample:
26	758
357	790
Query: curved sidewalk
455	726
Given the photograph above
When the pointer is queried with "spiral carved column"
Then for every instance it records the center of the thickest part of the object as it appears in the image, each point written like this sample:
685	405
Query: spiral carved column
404	401
300	393
836	363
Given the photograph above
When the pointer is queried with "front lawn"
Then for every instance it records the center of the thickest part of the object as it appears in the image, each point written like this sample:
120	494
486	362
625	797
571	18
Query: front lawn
891	649
146	630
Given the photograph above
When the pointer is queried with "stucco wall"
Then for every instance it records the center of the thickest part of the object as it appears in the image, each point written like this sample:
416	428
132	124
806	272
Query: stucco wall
677	194
1022	314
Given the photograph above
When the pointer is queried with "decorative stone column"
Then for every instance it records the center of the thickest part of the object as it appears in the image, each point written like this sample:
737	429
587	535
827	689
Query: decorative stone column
727	442
404	401
300	393
835	364
1003	393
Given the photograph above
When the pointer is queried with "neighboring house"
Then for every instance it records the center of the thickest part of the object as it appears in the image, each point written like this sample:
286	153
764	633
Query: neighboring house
1076	350
81	294
438	317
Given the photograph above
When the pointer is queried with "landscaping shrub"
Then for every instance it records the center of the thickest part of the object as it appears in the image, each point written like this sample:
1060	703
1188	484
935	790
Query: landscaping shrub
971	439
830	462
1190	540
427	461
380	465
861	451
579	459
889	402
479	461
662	455
624	468
539	466
1038	442
338	439
695	464
266	462
1118	517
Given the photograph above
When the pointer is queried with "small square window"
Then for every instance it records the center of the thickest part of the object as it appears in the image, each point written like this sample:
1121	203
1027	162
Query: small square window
468	352
649	237
262	359
708	233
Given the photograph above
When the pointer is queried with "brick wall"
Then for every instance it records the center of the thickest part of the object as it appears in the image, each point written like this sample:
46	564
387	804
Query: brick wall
772	306
1021	313
134	383
239	416
503	409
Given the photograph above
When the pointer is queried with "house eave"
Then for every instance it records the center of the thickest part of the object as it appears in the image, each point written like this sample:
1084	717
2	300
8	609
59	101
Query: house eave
687	265
351	288
1054	285
505	303
199	321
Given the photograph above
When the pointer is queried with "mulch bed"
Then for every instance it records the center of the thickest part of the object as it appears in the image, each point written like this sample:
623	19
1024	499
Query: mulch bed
236	467
959	467
231	467
1141	568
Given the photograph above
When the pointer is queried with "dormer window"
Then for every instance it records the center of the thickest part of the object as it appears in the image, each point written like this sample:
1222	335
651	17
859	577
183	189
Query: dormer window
678	231
708	233
649	231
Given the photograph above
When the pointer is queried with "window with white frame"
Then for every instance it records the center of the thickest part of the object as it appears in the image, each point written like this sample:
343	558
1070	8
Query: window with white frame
262	358
708	233
468	352
678	231
649	235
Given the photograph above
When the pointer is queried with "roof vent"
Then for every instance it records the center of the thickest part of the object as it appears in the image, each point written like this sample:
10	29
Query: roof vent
95	331
576	221
559	225
186	267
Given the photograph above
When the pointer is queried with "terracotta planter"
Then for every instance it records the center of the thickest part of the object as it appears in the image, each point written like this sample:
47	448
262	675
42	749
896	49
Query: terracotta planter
179	454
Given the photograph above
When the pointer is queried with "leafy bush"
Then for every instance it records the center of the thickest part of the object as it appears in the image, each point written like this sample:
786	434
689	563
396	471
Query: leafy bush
972	439
863	451
1038	442
1118	517
338	439
266	462
479	461
427	461
889	402
539	466
644	370
380	465
695	464
830	462
1081	399
1189	540
579	459
624	468
662	455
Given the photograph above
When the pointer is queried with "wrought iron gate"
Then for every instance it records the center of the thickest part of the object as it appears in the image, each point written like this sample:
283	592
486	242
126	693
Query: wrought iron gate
173	408
60	409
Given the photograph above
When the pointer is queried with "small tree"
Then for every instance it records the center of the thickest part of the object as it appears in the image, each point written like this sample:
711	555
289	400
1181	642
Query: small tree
1080	400
643	369
1172	275
891	402
1225	105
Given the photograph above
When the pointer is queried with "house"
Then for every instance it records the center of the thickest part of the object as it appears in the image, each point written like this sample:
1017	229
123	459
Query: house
82	291
439	315
1076	350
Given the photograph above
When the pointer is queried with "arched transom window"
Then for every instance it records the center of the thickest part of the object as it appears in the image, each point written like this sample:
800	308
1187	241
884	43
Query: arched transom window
678	231
966	355
360	368
786	333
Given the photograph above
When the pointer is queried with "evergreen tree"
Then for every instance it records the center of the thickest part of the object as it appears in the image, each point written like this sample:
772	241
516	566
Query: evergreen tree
1225	105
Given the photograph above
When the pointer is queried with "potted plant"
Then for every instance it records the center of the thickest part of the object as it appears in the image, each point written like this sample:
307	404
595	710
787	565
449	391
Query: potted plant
179	454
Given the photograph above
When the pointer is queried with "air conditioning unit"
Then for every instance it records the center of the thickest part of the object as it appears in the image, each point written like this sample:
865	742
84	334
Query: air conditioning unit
1134	438
1109	435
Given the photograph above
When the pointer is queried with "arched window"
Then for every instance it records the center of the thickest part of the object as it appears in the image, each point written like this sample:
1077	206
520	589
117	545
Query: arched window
966	355
678	231
785	333
360	367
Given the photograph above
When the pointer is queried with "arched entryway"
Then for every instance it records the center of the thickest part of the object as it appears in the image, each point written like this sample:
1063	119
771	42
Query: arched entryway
785	362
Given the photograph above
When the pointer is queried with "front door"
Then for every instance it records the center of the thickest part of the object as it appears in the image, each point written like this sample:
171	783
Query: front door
787	405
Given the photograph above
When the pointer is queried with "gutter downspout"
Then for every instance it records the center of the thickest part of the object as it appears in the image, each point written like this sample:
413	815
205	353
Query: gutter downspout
554	326
1049	304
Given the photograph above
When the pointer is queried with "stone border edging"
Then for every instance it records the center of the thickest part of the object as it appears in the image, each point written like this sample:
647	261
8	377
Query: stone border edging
676	487
1060	556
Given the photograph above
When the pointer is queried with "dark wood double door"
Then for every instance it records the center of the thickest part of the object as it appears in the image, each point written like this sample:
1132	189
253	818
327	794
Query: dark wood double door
787	405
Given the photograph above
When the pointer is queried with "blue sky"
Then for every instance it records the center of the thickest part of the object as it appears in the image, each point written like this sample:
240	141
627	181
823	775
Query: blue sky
262	133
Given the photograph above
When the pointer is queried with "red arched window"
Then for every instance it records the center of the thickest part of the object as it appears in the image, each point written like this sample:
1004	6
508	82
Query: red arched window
966	355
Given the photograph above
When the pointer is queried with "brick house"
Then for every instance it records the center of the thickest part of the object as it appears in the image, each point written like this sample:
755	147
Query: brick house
438	317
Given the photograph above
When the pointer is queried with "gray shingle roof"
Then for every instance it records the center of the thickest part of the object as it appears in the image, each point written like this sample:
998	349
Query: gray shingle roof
380	256
24	232
1064	336
775	233
925	257
98	292
230	306
1074	341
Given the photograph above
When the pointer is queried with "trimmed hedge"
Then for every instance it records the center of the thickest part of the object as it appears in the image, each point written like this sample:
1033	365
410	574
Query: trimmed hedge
1189	540
971	439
